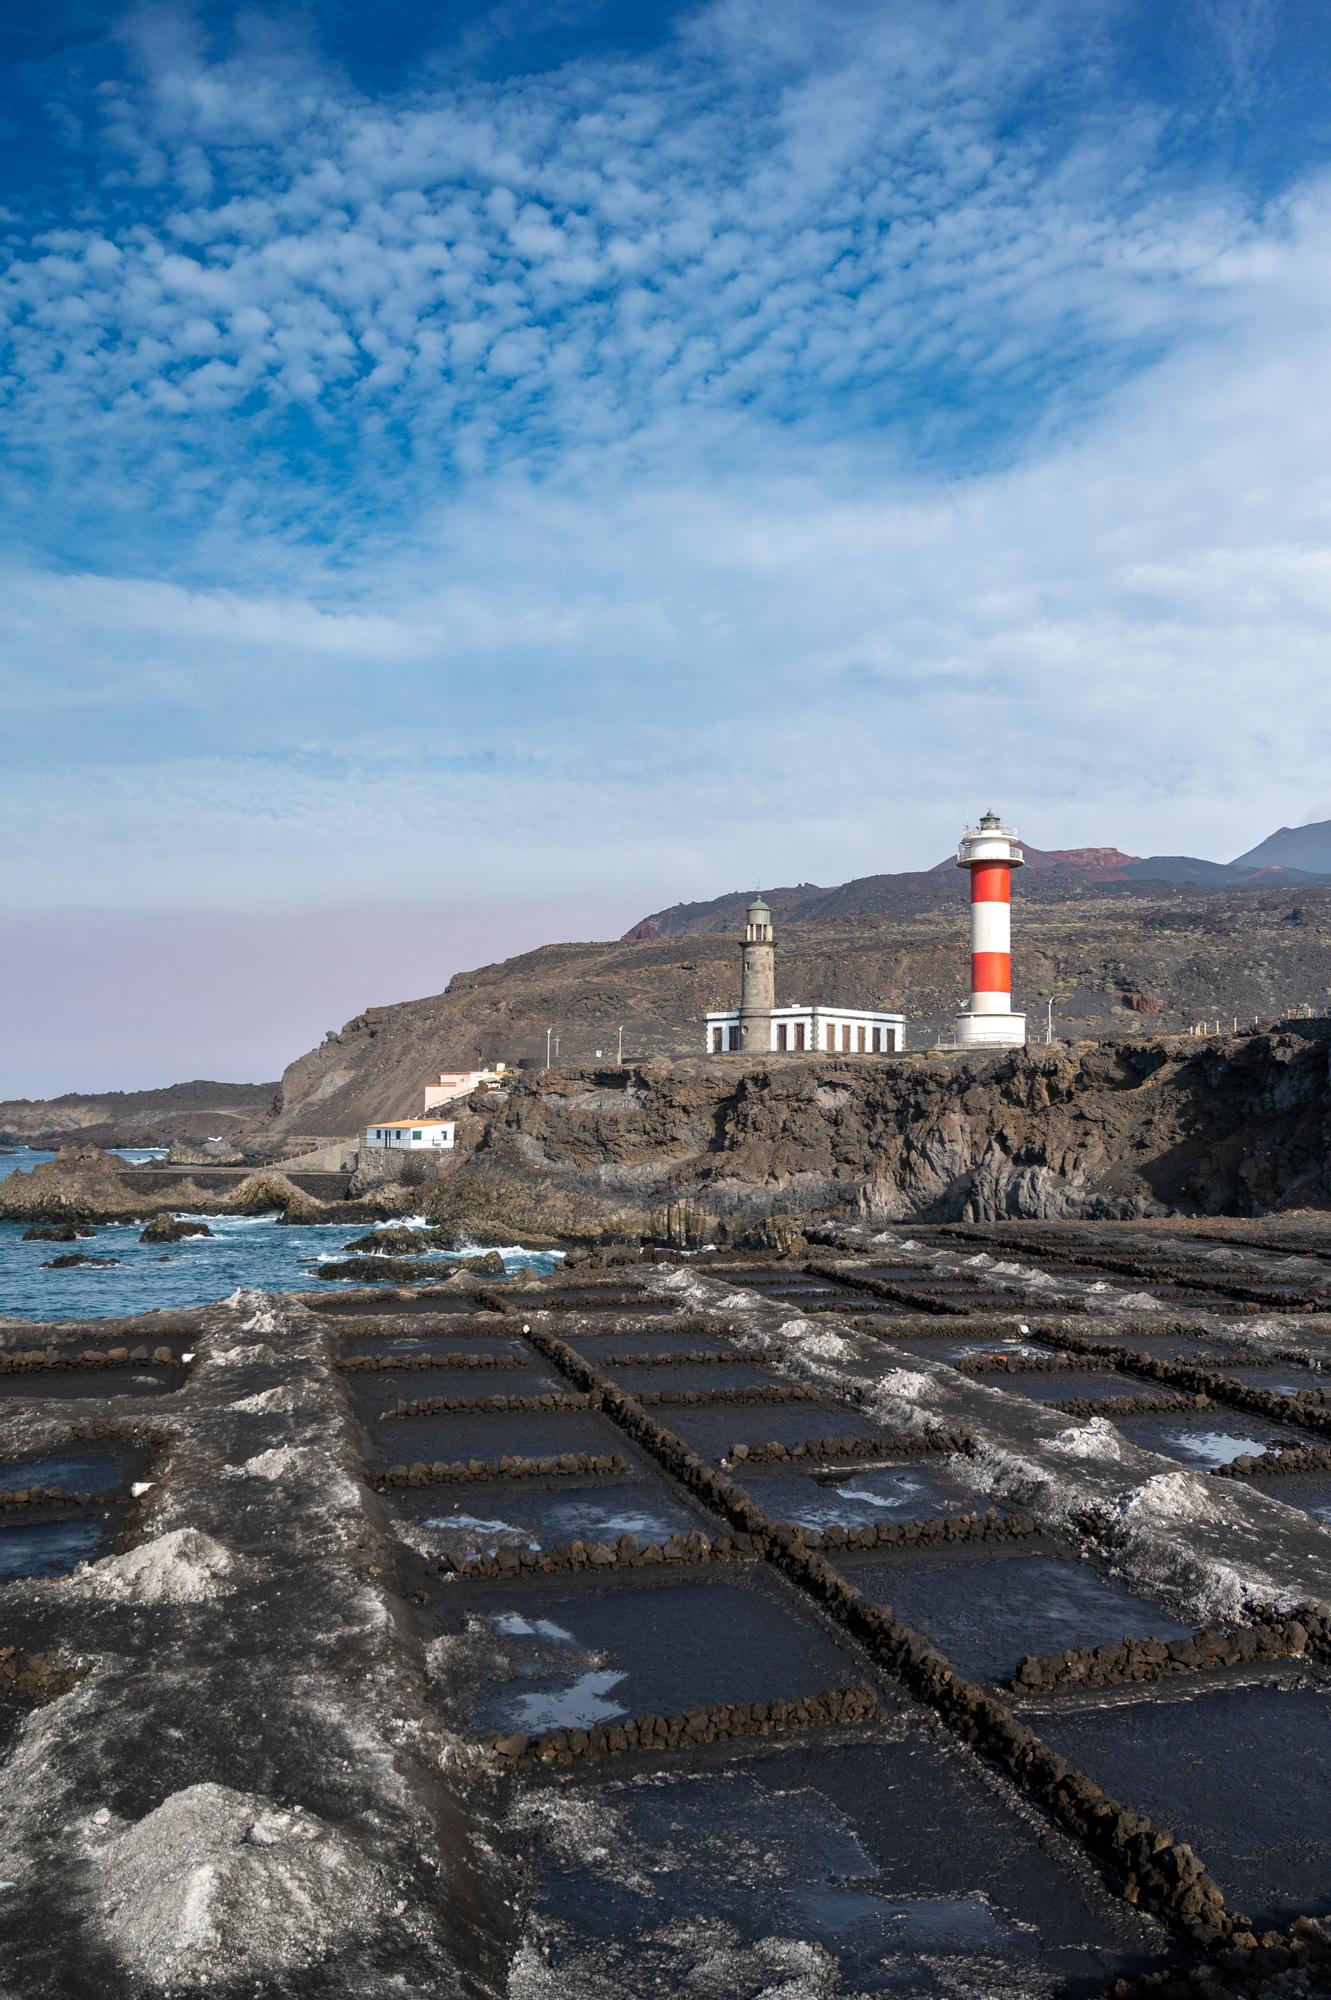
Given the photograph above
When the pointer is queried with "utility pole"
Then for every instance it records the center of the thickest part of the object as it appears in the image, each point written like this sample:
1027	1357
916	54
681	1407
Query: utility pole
548	1033
621	1043
556	1045
1049	1023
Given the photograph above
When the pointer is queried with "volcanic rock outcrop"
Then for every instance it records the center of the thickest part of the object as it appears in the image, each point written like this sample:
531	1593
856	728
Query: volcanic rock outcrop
703	1151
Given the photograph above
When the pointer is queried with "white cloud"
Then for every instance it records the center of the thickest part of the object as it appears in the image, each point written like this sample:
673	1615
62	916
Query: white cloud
663	474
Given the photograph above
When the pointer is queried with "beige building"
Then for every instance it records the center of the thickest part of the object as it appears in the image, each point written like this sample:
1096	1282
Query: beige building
455	1083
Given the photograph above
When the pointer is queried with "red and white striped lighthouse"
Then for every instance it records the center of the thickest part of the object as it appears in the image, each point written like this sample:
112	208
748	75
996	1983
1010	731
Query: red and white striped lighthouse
991	852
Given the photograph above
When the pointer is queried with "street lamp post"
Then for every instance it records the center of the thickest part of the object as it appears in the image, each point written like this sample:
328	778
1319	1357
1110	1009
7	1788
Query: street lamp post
621	1043
548	1033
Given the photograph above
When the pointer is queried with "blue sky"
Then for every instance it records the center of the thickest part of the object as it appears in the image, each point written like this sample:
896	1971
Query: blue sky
509	466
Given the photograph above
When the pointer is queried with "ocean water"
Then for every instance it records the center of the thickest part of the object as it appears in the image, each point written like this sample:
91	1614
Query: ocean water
254	1251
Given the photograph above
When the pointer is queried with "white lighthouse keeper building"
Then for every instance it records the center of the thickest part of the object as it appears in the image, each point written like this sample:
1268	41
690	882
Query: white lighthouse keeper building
990	852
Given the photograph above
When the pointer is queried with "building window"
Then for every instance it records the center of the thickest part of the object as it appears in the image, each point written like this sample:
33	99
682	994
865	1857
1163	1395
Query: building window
859	1040
416	1138
799	1034
734	1040
890	1039
781	1035
716	1040
831	1035
877	1041
845	1038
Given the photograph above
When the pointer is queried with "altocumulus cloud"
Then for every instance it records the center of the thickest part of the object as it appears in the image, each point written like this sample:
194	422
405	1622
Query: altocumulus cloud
661	471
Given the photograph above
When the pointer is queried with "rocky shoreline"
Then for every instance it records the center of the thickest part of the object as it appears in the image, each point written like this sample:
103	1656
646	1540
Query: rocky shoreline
752	1152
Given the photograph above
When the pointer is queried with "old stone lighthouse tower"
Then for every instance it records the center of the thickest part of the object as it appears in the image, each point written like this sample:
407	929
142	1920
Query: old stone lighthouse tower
758	1027
757	981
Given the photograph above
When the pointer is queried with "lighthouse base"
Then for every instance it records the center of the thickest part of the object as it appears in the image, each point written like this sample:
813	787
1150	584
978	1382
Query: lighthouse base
991	1031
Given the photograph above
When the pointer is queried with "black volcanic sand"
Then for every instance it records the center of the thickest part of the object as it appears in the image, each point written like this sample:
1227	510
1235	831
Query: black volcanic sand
711	1432
1162	1346
808	1298
985	1607
1204	1439
634	1381
1242	1773
383	1299
1284	1378
859	1496
593	1648
57	1384
608	1300
530	1514
1061	1385
380	1389
498	1434
595	1346
50	1547
950	1345
440	1343
896	1860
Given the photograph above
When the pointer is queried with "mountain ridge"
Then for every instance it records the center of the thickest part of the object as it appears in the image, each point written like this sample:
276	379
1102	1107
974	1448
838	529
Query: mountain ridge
895	892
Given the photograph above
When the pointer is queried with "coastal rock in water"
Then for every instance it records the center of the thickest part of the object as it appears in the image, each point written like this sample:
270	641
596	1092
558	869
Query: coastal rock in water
400	1242
67	1263
261	1191
382	1270
81	1184
488	1265
206	1153
166	1229
55	1232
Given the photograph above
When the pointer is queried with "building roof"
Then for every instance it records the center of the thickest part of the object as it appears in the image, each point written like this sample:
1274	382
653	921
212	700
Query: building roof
402	1124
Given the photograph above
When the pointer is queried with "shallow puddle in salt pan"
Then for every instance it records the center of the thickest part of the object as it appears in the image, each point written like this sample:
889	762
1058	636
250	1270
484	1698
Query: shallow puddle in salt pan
633	1646
984	1608
534	1516
48	1548
892	1857
1210	1440
858	1499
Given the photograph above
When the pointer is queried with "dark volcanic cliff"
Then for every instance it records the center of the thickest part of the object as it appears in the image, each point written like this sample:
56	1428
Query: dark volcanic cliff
699	1150
1119	960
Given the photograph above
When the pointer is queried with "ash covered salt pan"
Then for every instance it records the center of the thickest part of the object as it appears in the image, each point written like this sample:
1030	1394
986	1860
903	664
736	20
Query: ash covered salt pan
1094	1439
818	1343
587	1831
215	1886
182	1567
1104	1297
291	1463
1023	1274
282	1400
710	1961
251	1354
265	1317
1174	1496
910	1384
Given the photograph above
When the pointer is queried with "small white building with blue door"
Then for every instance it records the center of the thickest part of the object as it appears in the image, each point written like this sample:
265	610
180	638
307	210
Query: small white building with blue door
413	1135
